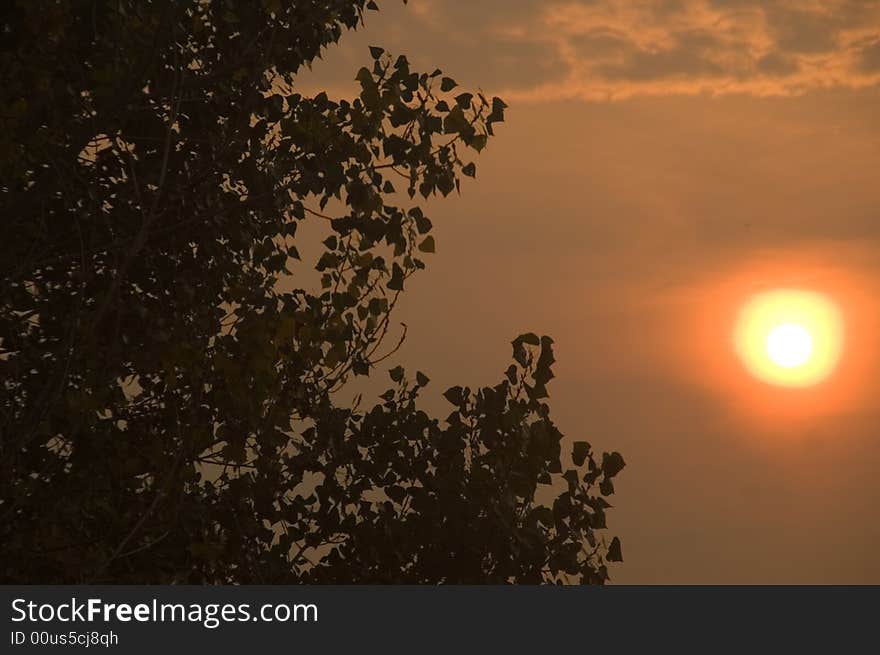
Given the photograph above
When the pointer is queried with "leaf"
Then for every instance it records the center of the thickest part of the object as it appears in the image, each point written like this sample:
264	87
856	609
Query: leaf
498	107
543	514
396	281
612	464
364	76
423	224
614	552
455	121
579	452
376	51
427	245
479	142
396	493
422	379
447	84
469	169
454	395
396	373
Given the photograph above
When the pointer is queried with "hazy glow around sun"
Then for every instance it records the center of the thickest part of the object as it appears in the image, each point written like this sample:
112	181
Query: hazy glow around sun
789	337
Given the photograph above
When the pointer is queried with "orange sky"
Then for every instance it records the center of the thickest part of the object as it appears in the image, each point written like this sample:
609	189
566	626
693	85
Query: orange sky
660	160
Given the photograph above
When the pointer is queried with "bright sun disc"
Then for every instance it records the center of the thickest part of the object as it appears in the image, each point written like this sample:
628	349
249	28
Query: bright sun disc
789	338
789	345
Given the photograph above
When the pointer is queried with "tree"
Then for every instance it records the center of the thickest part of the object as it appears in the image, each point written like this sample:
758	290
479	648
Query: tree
168	411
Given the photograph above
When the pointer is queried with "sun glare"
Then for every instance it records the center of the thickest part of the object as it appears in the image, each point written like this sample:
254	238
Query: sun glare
789	345
789	337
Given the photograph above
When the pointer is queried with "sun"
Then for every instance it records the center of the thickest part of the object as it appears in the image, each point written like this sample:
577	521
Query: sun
789	337
789	345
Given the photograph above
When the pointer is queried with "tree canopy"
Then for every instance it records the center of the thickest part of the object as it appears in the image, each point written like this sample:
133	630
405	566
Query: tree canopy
168	410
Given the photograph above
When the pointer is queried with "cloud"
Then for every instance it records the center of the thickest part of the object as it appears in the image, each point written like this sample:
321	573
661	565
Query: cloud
623	48
869	60
605	50
459	37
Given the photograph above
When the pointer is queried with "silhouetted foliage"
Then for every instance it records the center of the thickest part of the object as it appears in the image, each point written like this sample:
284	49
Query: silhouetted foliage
167	398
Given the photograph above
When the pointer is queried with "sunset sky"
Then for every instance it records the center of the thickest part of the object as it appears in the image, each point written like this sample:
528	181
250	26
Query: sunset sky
661	163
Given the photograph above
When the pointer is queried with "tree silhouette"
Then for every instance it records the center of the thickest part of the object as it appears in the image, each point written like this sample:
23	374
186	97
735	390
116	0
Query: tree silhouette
167	407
